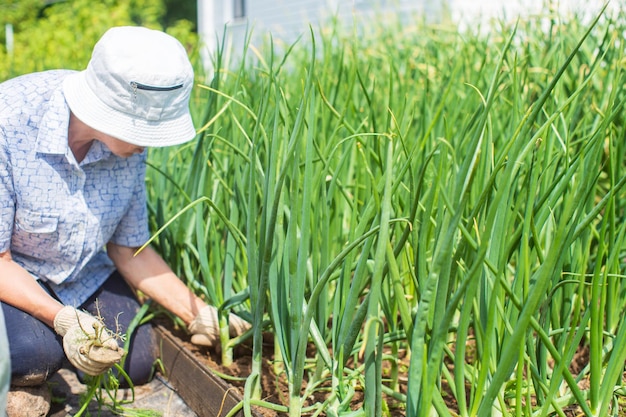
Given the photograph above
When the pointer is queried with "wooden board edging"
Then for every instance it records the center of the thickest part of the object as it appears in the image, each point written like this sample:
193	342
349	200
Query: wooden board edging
204	392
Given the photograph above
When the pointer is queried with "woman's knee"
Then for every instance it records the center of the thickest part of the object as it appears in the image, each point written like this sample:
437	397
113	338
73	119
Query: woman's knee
142	355
36	350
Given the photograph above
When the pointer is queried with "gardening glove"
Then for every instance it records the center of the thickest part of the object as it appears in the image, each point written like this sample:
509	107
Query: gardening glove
205	327
87	343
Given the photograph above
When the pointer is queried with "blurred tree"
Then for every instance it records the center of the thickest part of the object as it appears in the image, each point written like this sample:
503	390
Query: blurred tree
177	10
61	33
20	12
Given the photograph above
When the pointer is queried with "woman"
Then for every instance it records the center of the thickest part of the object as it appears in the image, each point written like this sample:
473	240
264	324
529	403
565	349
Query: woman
73	208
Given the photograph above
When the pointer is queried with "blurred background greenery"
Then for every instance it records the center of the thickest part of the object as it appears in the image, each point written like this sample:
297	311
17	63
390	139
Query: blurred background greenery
50	34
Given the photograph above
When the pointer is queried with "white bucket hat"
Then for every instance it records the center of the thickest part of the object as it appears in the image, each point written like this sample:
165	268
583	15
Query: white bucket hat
136	88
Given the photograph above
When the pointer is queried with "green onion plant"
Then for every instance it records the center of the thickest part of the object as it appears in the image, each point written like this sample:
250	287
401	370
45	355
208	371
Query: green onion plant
423	218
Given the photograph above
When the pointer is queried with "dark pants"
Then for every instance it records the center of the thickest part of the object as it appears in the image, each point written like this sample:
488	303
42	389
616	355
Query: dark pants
37	351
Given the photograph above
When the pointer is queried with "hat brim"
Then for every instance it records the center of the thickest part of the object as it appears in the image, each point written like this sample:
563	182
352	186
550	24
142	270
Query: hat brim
89	109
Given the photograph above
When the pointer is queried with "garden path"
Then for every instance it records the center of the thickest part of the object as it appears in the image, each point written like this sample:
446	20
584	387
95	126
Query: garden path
158	396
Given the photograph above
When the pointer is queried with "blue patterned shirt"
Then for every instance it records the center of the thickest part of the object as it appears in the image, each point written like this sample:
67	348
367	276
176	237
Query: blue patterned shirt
56	215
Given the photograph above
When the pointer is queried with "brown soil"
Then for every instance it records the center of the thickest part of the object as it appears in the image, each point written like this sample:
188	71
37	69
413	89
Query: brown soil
274	387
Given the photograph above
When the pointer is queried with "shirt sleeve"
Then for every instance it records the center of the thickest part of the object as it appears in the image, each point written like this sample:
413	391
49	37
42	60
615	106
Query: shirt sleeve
133	228
7	195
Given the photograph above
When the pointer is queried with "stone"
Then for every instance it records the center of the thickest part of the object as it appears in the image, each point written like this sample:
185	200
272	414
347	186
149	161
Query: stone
28	401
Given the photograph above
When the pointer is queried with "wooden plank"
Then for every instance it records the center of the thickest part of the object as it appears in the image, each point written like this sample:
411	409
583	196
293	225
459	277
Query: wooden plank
205	393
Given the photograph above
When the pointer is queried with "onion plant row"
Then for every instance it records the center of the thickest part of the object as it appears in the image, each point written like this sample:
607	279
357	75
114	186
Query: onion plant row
422	218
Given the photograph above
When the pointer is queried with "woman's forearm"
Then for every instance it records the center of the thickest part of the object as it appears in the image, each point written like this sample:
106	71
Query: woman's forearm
19	289
150	274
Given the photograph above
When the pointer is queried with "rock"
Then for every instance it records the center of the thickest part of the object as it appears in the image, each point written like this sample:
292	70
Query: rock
28	401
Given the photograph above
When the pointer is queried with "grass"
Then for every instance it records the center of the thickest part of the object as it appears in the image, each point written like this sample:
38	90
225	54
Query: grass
454	195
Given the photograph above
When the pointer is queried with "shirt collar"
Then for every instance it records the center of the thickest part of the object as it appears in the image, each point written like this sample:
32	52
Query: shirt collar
97	151
52	135
53	128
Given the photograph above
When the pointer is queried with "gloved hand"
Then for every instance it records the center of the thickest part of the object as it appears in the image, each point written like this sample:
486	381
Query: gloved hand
205	327
87	343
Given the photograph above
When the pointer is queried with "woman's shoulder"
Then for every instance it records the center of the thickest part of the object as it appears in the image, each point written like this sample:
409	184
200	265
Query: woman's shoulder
50	79
30	89
24	100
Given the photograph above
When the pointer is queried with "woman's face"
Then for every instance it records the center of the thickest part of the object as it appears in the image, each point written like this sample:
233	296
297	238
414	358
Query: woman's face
118	147
80	137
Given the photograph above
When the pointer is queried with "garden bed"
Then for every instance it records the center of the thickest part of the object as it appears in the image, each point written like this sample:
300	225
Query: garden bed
194	372
212	389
